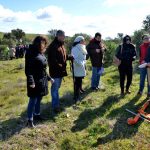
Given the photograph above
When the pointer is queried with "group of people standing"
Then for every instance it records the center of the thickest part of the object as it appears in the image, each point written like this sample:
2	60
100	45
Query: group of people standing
37	76
17	51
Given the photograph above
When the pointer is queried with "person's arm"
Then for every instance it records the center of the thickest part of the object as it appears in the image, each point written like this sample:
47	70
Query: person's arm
75	54
134	55
147	59
52	56
118	54
91	49
29	70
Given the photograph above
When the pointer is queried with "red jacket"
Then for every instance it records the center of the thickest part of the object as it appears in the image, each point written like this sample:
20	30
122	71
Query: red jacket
143	51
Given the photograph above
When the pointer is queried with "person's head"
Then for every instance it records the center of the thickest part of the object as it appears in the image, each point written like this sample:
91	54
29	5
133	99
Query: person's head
40	43
79	40
60	35
146	38
127	39
98	36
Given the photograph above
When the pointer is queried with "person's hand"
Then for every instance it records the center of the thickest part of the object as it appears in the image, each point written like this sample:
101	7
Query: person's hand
71	58
32	86
103	49
148	65
97	50
143	62
52	81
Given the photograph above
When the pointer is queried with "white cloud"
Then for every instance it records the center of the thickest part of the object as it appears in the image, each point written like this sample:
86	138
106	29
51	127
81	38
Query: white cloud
53	17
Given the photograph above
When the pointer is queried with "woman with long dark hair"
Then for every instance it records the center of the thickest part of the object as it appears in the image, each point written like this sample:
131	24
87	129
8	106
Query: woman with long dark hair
37	78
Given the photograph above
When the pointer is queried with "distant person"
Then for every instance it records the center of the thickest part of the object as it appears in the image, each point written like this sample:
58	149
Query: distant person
12	52
17	52
96	51
126	53
143	71
37	78
79	53
21	51
57	58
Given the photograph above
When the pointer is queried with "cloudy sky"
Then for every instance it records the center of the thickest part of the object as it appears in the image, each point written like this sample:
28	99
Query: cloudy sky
74	16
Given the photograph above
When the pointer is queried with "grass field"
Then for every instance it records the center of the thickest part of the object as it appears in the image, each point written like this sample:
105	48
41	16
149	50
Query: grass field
98	122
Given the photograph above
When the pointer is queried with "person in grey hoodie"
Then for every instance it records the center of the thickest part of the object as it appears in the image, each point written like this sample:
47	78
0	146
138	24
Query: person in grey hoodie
79	54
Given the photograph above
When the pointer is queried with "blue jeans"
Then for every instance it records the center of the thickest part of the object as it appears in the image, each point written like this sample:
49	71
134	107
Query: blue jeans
95	77
34	106
143	75
54	92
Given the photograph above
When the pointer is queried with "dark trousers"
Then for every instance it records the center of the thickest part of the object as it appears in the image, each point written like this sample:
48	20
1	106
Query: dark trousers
125	72
78	85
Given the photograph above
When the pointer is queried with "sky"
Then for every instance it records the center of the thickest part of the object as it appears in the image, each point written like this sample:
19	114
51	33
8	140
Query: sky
108	17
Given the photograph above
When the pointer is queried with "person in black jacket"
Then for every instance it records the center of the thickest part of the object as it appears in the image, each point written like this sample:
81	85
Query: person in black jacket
37	78
126	53
96	50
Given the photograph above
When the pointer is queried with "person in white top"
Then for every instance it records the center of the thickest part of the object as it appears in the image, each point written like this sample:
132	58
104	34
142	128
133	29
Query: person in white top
79	53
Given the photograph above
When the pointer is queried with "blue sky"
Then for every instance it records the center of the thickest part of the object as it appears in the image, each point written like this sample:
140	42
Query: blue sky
74	16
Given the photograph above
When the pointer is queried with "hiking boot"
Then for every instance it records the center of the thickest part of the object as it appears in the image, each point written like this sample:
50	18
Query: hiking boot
30	124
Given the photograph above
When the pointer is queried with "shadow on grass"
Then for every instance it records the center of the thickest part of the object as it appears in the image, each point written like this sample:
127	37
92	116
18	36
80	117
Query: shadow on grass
121	129
67	99
13	126
88	116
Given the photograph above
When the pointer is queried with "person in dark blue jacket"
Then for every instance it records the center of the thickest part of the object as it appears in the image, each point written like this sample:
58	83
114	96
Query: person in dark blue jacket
37	77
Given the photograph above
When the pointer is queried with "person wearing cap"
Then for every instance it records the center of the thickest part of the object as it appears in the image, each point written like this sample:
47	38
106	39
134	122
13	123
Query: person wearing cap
57	58
96	50
143	71
126	53
79	54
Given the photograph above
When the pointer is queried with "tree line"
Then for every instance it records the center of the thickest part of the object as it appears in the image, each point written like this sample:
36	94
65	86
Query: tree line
18	36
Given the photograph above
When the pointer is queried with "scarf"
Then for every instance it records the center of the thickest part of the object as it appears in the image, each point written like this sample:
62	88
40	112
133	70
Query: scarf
82	48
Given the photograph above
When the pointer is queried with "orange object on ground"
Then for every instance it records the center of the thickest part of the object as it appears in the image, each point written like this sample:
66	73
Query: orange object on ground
134	120
141	112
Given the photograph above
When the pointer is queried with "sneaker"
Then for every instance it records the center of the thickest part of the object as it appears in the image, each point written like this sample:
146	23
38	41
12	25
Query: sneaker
30	124
139	93
82	91
148	95
57	110
128	92
122	94
94	88
38	118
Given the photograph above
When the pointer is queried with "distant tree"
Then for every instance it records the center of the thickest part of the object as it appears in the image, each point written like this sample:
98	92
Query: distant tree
19	34
52	33
111	50
146	24
120	36
137	38
8	36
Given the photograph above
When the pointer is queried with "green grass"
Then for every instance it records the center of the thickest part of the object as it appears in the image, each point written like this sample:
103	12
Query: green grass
98	122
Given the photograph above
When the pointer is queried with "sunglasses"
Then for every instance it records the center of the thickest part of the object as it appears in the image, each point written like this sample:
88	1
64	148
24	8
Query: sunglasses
147	38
